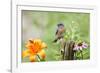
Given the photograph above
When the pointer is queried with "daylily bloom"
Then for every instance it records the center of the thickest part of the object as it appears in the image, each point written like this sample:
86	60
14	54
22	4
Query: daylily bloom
80	46
35	47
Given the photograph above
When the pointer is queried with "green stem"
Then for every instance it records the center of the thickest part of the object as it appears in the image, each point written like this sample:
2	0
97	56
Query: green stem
39	59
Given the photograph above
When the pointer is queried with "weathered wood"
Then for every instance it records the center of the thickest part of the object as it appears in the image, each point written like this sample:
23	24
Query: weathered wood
68	50
71	52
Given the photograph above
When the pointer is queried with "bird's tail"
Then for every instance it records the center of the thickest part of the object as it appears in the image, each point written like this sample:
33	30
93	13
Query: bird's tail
58	38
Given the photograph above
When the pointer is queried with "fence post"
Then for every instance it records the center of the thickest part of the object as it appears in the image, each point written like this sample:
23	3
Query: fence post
68	50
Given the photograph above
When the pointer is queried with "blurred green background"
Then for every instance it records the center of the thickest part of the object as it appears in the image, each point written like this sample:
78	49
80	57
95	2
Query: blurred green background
43	25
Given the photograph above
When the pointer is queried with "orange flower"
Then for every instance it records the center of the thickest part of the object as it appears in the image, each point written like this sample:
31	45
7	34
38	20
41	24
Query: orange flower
34	47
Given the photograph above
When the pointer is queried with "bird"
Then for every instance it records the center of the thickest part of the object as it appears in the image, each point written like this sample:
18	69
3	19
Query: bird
59	32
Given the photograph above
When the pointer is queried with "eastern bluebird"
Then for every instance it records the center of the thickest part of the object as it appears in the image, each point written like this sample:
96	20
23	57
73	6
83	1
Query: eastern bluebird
60	31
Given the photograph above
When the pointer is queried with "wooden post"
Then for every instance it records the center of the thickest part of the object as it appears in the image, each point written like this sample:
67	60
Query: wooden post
68	50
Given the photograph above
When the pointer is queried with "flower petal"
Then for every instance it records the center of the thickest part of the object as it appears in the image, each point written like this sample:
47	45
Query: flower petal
42	54
32	58
25	53
85	45
43	45
37	41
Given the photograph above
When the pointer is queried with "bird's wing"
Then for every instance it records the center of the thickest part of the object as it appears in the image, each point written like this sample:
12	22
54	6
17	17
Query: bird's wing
56	32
